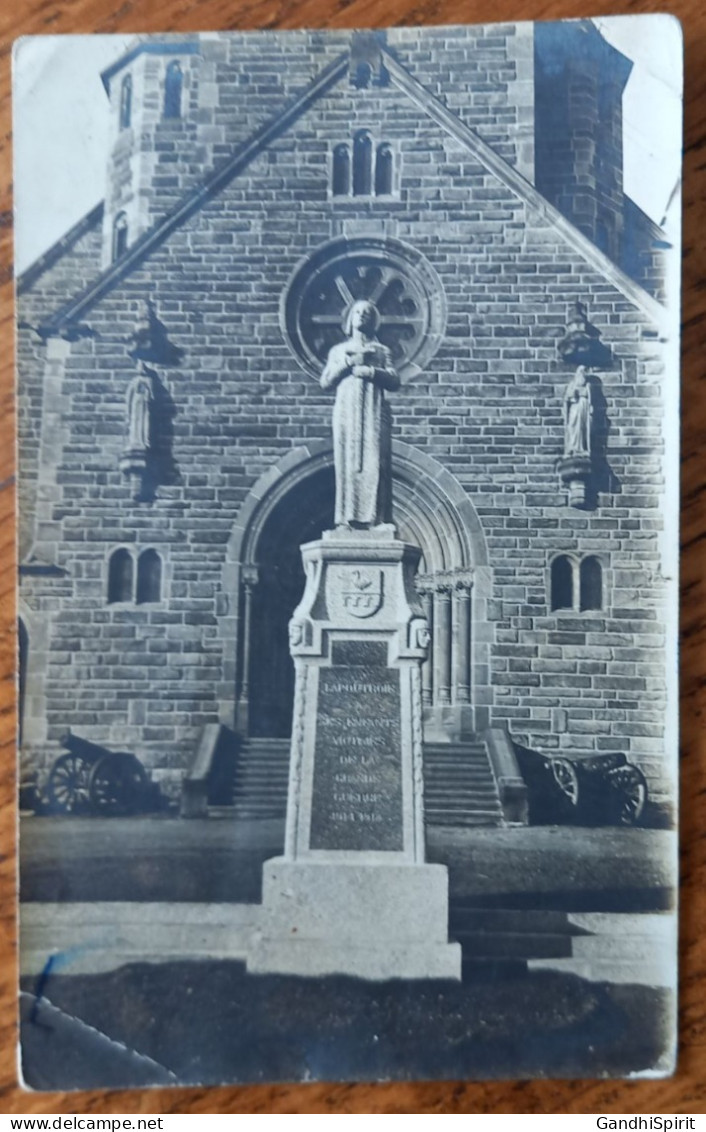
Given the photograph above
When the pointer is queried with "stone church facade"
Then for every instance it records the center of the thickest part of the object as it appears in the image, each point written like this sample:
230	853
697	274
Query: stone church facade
175	443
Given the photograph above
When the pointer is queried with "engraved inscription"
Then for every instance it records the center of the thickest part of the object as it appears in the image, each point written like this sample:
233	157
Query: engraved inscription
357	795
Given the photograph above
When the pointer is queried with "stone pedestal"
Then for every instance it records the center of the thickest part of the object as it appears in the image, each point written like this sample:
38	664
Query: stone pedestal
133	464
576	472
352	894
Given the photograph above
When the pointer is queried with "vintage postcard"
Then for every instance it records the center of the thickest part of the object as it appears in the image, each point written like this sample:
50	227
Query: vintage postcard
348	380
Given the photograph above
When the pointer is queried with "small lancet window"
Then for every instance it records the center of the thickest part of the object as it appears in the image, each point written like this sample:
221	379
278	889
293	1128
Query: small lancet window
362	164
383	170
363	76
149	577
120	576
126	102
591	584
173	82
562	583
120	233
341	171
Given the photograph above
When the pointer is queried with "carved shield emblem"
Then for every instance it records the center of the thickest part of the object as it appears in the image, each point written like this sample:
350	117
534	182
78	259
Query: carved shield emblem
361	591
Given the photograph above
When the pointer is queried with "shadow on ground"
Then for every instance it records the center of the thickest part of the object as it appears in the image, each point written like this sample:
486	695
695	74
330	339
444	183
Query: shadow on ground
211	1023
171	860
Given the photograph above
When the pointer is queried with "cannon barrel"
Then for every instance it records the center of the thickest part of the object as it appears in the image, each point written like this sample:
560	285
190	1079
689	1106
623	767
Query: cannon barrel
79	746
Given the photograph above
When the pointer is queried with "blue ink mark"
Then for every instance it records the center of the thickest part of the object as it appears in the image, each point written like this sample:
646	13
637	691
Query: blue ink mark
41	984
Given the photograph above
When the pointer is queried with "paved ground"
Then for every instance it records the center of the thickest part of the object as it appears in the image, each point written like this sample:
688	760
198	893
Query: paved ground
170	859
207	1021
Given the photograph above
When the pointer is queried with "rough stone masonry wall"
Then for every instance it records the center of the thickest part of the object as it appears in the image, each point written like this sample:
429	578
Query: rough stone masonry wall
488	407
39	297
235	84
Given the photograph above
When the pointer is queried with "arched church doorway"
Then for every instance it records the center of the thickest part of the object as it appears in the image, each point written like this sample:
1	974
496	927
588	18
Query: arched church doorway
299	517
293	504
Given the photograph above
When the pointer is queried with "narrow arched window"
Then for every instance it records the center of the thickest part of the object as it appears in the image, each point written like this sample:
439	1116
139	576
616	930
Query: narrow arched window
120	233
562	584
173	82
126	102
363	76
341	171
383	170
149	577
362	164
591	584
120	576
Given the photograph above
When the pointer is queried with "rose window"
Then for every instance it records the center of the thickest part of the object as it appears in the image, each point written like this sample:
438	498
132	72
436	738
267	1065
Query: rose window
403	286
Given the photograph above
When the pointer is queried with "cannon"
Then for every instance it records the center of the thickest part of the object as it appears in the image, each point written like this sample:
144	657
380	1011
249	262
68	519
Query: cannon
596	789
91	779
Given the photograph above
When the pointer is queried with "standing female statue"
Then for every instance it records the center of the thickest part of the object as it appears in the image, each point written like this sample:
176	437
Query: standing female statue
138	401
578	413
360	370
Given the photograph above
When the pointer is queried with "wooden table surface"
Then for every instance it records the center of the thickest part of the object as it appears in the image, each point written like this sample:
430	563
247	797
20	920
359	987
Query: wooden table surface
684	1093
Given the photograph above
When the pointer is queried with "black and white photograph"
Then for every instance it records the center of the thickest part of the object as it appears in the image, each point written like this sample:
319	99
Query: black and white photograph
348	403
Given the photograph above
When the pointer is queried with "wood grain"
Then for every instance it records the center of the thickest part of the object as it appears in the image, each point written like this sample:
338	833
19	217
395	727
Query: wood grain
686	1092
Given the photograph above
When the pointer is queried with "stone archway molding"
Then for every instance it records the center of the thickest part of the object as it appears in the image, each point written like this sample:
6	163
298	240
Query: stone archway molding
447	521
433	510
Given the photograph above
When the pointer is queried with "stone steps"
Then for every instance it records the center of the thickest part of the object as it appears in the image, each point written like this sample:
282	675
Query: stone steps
452	774
511	938
495	942
620	948
261	779
602	947
463	791
470	819
475	918
459	787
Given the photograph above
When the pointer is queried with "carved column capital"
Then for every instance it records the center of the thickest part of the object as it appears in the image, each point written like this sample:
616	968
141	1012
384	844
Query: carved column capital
424	584
250	576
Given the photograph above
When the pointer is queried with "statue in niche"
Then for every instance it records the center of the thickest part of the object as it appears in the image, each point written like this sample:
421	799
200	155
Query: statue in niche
578	415
138	403
360	370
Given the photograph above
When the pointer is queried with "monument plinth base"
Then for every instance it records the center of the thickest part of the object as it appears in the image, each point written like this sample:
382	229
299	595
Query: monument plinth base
352	894
366	920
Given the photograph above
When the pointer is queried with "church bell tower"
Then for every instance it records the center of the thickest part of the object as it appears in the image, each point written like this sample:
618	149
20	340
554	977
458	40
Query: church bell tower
154	96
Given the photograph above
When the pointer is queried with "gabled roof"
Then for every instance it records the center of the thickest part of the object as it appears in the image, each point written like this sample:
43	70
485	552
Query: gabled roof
196	198
527	193
248	150
55	252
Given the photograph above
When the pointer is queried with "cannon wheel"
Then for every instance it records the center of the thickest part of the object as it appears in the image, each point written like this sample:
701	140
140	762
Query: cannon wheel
631	792
67	786
567	780
117	784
